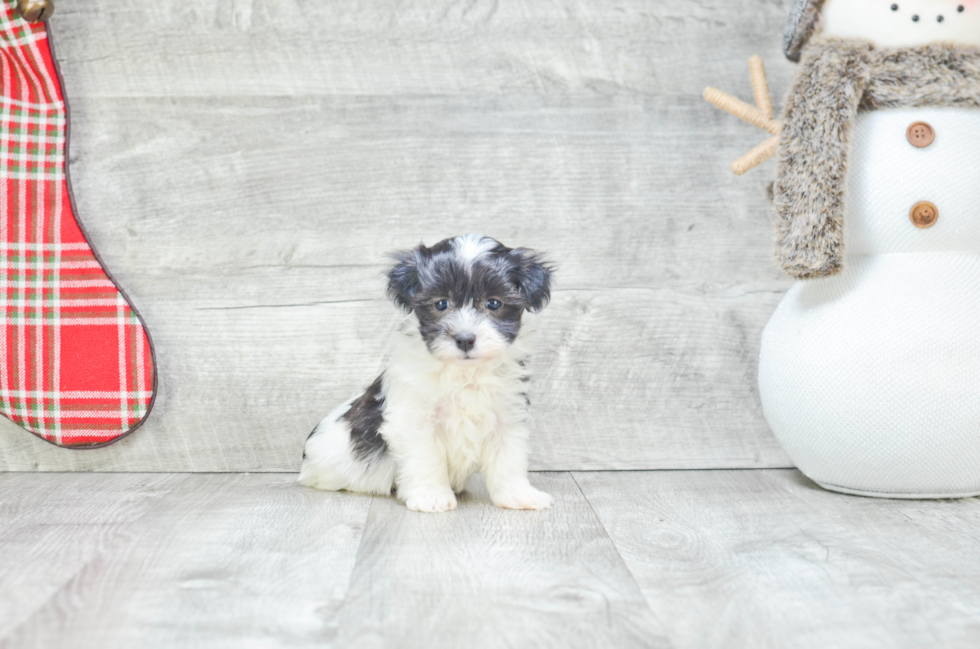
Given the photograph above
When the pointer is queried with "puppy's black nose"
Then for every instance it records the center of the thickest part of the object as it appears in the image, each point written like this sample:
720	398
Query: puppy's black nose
465	341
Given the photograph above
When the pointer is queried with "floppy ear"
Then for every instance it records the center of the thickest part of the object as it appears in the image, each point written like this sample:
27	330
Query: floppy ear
532	274
403	277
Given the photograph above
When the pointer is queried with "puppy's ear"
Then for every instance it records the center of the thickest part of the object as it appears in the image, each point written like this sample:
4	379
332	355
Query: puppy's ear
403	277
532	274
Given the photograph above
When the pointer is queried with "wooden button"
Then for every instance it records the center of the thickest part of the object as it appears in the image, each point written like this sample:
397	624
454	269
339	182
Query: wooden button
35	10
921	135
924	215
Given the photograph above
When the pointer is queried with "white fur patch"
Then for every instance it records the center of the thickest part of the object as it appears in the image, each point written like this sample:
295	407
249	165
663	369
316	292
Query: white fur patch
458	407
443	421
470	247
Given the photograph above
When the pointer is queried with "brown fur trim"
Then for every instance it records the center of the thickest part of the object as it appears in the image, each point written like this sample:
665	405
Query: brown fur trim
838	77
933	75
804	20
813	150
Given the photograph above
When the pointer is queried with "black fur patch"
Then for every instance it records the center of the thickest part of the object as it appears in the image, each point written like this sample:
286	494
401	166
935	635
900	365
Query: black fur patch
365	417
403	278
532	275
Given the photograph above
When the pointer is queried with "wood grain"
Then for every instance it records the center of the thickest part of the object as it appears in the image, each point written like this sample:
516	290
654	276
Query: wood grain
244	166
768	559
485	577
52	526
249	560
242	48
761	559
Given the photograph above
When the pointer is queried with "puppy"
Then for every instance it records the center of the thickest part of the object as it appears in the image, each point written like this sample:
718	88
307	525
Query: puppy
453	399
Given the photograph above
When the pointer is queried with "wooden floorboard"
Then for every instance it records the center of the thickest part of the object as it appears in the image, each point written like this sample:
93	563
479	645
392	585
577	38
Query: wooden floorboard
222	560
485	577
51	528
766	559
688	559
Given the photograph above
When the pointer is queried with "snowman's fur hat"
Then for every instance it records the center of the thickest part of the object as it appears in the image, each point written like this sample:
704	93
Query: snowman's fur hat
803	22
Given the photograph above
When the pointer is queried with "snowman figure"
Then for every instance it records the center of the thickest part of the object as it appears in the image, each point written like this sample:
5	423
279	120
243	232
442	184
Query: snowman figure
869	370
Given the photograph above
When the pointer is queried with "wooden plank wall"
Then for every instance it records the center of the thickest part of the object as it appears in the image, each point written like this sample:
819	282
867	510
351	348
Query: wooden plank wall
243	166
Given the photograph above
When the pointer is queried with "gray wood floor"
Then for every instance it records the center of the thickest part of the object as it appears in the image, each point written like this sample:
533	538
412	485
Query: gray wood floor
632	559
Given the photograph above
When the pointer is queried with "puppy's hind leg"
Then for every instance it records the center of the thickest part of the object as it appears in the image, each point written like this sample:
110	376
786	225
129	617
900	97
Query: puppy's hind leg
345	450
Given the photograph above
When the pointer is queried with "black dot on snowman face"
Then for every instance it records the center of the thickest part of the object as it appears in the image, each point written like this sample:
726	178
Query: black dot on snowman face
894	7
915	18
961	9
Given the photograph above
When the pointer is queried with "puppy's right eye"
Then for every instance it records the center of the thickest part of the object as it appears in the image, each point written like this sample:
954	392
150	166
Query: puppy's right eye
442	305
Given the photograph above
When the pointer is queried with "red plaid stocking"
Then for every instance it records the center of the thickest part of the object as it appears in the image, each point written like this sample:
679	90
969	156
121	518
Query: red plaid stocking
76	365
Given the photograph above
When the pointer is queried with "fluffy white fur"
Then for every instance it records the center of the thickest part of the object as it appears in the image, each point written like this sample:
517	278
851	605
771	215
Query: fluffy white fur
447	414
444	420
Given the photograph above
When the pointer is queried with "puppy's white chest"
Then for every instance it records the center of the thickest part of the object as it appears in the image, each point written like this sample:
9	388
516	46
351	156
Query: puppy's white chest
468	413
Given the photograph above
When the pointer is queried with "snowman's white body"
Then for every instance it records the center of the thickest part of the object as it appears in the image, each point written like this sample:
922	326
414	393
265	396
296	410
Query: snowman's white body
871	379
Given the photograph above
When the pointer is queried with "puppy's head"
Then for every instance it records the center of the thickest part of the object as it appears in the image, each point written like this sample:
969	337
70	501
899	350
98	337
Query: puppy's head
469	294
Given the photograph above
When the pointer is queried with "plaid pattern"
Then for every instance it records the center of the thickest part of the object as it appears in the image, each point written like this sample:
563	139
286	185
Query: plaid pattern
75	362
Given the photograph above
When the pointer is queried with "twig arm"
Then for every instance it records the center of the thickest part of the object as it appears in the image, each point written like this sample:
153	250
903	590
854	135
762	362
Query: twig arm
760	85
760	115
756	156
742	110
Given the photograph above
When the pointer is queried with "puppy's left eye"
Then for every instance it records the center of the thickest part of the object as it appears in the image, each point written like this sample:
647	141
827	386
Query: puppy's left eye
442	305
493	305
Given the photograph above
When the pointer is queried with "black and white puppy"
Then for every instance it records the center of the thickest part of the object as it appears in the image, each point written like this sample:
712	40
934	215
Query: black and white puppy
453	399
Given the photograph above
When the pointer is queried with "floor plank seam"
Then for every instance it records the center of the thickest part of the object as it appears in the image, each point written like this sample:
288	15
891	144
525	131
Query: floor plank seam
357	555
285	472
612	543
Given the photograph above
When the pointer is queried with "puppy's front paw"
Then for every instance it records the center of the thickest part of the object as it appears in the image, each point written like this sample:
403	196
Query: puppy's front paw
526	497
431	499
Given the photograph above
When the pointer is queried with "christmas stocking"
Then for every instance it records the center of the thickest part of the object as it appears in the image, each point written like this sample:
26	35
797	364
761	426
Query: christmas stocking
76	365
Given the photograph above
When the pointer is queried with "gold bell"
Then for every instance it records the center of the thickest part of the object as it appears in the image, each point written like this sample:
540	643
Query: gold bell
35	10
